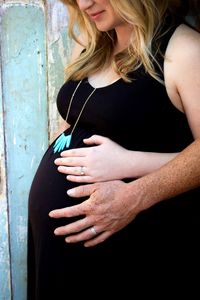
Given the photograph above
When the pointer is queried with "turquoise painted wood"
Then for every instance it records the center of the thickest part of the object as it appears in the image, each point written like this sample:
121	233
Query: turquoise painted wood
5	275
34	50
25	121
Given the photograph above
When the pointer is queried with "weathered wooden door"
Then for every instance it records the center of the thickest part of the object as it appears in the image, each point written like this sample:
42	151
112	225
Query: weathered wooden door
33	53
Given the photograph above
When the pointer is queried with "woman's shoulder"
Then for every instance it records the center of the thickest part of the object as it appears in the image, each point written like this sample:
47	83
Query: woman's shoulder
184	41
182	64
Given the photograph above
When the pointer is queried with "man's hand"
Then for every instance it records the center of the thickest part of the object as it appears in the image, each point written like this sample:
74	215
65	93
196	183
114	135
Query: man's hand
109	208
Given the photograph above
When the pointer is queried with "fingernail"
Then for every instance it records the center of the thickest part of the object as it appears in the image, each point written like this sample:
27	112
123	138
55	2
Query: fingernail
68	177
51	214
70	192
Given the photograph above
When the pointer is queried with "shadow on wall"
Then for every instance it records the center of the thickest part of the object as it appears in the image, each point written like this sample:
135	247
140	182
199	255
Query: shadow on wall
190	9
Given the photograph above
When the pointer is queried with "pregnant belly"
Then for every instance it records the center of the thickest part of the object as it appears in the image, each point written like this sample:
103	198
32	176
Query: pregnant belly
49	187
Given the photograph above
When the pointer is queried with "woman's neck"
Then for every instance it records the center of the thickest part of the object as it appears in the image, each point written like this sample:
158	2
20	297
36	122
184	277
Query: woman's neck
123	33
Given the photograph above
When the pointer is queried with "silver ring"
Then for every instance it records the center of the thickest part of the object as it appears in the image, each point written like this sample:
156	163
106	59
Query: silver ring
82	171
93	230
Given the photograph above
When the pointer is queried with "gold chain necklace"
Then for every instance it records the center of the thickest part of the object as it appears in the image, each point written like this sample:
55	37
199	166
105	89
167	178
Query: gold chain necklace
63	140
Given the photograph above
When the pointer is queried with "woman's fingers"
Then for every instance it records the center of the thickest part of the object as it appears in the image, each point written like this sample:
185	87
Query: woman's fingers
95	140
80	179
74	171
70	161
79	152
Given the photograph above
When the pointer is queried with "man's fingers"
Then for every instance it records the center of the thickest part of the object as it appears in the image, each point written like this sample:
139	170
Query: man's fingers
99	239
67	212
79	237
75	210
82	191
74	227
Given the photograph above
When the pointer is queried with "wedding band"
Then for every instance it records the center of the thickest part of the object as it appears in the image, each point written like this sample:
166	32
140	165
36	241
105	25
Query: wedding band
93	230
82	171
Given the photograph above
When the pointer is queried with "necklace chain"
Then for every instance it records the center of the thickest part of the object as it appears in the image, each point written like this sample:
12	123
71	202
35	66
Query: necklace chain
70	103
65	140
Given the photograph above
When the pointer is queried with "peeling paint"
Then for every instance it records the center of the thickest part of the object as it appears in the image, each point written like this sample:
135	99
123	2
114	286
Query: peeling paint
58	53
14	140
25	105
33	161
5	275
57	20
24	119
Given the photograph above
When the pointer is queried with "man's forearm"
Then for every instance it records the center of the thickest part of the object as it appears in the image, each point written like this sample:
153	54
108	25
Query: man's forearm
178	176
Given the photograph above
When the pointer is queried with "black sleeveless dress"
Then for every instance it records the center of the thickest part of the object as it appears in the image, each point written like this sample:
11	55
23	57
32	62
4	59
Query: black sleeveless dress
138	116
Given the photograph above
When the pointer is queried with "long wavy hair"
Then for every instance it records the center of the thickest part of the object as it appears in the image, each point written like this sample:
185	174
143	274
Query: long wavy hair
146	17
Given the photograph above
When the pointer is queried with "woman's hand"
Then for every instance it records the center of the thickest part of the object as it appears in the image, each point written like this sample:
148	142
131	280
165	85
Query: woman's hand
105	160
110	208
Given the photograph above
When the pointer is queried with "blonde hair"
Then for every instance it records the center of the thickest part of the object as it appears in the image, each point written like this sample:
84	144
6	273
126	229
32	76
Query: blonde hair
145	17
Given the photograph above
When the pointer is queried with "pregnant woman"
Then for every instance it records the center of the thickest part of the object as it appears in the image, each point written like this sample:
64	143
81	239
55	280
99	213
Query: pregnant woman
133	78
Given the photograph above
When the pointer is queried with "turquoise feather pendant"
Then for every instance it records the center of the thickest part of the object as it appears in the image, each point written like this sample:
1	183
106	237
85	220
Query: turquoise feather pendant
62	142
